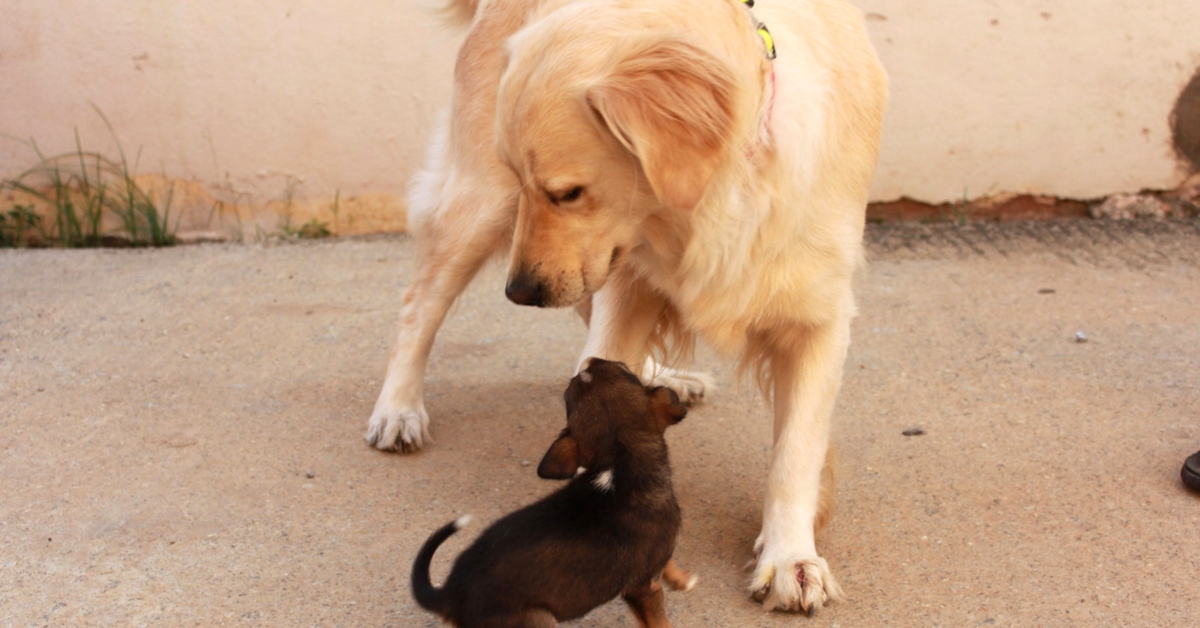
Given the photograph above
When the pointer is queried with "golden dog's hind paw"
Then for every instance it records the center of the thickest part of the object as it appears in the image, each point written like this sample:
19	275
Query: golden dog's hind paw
401	430
794	585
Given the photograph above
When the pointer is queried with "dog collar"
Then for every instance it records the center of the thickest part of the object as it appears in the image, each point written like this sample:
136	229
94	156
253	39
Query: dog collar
763	33
769	51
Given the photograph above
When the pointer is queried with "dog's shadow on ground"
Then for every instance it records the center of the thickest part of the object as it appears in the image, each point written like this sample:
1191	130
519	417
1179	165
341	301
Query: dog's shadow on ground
720	455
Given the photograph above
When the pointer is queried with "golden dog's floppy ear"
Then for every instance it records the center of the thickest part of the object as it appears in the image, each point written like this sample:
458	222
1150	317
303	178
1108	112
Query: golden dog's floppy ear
671	104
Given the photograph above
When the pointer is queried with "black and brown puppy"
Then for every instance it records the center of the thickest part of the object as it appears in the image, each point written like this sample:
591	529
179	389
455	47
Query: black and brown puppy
610	531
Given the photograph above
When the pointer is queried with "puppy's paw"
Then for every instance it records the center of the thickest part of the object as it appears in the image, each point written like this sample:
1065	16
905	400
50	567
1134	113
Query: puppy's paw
686	584
404	430
679	579
691	386
794	584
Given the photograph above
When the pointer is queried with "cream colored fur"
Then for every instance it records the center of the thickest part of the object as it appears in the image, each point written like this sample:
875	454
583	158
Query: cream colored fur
638	154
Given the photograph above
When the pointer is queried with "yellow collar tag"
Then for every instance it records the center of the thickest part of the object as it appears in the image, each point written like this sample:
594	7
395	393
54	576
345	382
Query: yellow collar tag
768	40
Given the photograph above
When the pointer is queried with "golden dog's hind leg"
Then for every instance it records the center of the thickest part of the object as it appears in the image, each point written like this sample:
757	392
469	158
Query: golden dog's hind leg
462	208
458	238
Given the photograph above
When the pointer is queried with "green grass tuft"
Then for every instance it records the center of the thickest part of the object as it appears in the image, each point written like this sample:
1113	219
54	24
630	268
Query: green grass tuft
79	188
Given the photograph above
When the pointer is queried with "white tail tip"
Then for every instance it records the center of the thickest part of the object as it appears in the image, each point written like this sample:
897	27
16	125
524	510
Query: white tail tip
462	522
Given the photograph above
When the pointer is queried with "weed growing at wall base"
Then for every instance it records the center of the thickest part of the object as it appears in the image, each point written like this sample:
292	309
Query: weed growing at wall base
77	189
311	230
16	223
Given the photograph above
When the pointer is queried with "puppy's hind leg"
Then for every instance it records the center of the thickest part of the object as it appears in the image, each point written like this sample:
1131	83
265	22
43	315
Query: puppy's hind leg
678	578
533	618
648	605
453	243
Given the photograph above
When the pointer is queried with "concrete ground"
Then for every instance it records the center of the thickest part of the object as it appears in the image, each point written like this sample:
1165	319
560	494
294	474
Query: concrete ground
181	436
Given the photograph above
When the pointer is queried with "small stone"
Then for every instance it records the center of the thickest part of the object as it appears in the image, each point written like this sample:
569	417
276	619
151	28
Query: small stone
1080	337
41	389
1047	291
1131	206
916	431
310	474
524	463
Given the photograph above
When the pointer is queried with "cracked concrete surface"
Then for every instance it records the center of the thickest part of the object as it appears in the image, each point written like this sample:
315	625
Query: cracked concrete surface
181	435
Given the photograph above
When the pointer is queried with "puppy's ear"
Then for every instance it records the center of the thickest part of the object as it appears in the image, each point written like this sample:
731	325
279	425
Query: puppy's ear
671	104
666	406
561	461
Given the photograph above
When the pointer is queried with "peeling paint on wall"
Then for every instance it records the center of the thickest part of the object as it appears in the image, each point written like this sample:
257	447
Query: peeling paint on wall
198	213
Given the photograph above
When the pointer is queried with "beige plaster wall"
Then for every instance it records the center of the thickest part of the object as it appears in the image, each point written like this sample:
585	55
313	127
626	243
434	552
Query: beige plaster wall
272	102
1062	97
285	102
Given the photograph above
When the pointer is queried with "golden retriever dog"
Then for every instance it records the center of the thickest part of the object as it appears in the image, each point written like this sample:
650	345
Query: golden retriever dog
676	171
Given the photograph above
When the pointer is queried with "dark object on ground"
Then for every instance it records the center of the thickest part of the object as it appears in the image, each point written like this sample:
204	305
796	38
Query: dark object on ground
1191	471
1185	123
610	531
916	431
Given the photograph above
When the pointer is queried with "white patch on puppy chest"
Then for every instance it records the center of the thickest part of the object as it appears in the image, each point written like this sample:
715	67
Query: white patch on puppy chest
580	471
604	481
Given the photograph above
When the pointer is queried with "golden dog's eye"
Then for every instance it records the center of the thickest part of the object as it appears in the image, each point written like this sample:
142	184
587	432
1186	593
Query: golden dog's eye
570	196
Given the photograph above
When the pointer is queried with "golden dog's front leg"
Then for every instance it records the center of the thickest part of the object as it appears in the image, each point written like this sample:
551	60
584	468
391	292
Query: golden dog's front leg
806	366
622	320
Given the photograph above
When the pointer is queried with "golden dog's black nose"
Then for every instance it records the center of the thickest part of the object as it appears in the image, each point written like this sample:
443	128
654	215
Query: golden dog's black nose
525	289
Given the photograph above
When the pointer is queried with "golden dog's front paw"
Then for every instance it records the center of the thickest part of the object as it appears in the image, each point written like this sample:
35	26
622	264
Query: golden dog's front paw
691	386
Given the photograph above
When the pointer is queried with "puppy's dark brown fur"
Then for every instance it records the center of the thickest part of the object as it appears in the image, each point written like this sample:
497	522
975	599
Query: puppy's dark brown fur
610	531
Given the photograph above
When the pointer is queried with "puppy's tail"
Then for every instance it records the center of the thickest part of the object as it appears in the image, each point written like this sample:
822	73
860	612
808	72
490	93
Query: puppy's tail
430	598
